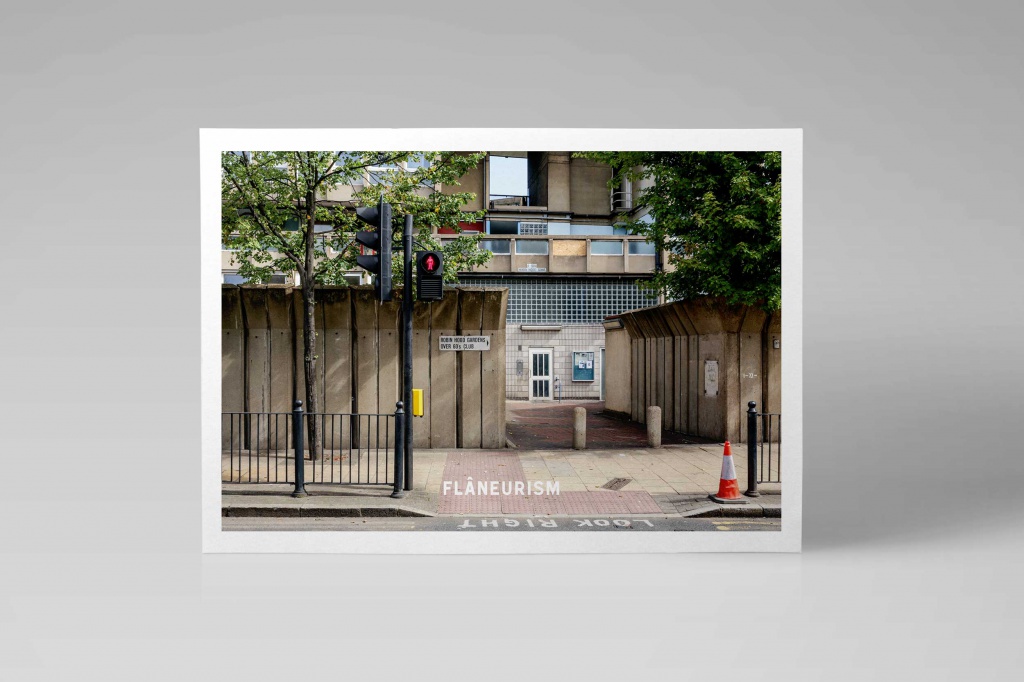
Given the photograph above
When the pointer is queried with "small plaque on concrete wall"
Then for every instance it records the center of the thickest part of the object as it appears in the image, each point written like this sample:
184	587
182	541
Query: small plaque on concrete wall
710	378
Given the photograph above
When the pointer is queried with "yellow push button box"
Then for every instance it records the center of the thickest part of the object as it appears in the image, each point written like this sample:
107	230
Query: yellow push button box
417	402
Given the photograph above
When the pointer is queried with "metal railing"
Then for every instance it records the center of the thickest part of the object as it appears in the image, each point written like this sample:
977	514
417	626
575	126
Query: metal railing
622	200
297	447
505	200
764	448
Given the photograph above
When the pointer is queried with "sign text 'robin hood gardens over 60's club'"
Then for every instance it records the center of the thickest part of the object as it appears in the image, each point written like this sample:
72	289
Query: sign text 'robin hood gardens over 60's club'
465	342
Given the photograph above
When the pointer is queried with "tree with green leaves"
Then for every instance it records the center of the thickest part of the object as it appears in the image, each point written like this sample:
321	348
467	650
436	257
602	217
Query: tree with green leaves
284	212
719	215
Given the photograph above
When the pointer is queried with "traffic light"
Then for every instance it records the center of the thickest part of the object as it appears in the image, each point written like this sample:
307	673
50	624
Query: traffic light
380	241
429	276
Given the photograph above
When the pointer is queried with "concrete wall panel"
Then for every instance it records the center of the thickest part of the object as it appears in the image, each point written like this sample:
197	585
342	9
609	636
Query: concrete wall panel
337	364
443	370
668	412
364	317
589	187
279	340
421	372
493	370
232	360
711	413
262	363
389	358
618	371
749	377
559	182
693	382
470	322
773	365
257	364
474	181
669	348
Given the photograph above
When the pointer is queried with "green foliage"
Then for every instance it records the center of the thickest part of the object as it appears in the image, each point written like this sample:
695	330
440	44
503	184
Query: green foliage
281	211
720	216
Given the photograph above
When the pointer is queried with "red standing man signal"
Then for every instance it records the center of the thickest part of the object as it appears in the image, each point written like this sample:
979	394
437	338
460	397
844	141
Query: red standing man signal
429	276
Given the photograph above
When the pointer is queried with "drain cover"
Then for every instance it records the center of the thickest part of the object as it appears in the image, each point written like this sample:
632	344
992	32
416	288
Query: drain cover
617	483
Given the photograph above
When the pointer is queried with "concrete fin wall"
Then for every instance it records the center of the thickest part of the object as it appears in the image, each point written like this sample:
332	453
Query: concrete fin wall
441	411
468	421
421	372
674	348
492	370
358	350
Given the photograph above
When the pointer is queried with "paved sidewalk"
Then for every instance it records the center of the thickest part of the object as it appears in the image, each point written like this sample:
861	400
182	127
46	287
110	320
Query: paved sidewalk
669	481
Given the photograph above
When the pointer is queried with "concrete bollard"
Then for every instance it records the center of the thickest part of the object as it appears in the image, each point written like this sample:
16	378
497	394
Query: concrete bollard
579	428
654	426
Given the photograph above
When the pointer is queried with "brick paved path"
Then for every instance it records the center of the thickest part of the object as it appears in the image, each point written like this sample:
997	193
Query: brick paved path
547	426
505	468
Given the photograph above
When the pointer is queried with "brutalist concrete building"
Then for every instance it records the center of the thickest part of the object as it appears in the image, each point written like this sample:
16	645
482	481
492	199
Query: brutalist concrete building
567	264
558	248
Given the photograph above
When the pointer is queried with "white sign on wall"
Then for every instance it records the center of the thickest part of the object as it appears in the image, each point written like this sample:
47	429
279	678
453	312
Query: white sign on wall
710	378
465	342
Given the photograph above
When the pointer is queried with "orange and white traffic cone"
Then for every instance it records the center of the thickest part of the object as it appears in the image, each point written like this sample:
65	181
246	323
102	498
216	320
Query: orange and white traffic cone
728	487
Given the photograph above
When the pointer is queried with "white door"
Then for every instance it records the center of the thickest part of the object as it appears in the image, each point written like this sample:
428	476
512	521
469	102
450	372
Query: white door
540	374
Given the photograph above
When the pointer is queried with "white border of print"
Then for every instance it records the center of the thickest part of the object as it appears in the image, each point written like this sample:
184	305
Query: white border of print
790	142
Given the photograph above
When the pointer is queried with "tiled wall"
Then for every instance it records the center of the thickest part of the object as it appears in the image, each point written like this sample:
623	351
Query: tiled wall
584	337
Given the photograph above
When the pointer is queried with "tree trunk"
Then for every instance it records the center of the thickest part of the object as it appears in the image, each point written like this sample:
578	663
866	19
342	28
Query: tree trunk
309	367
309	330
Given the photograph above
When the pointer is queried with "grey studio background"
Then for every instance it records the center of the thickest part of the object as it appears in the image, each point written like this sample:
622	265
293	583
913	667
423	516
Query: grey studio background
913	368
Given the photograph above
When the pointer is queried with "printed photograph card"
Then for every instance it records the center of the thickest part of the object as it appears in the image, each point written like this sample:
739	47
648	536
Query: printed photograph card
511	340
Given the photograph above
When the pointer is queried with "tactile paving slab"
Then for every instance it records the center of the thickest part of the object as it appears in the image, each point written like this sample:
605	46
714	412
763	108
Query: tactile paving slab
463	468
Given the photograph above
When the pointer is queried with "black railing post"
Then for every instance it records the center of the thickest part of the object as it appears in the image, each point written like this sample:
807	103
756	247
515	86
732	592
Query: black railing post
399	450
300	459
407	310
752	450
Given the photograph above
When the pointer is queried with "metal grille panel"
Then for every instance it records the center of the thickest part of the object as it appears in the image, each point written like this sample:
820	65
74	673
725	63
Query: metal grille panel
549	300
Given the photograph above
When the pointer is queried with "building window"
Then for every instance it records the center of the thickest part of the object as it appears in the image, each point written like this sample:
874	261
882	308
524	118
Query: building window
532	247
533	228
502	227
377	174
637	248
496	246
606	248
508	181
417	163
592	229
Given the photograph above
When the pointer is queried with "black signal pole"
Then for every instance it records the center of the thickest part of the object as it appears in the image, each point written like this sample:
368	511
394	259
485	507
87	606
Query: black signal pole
407	350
